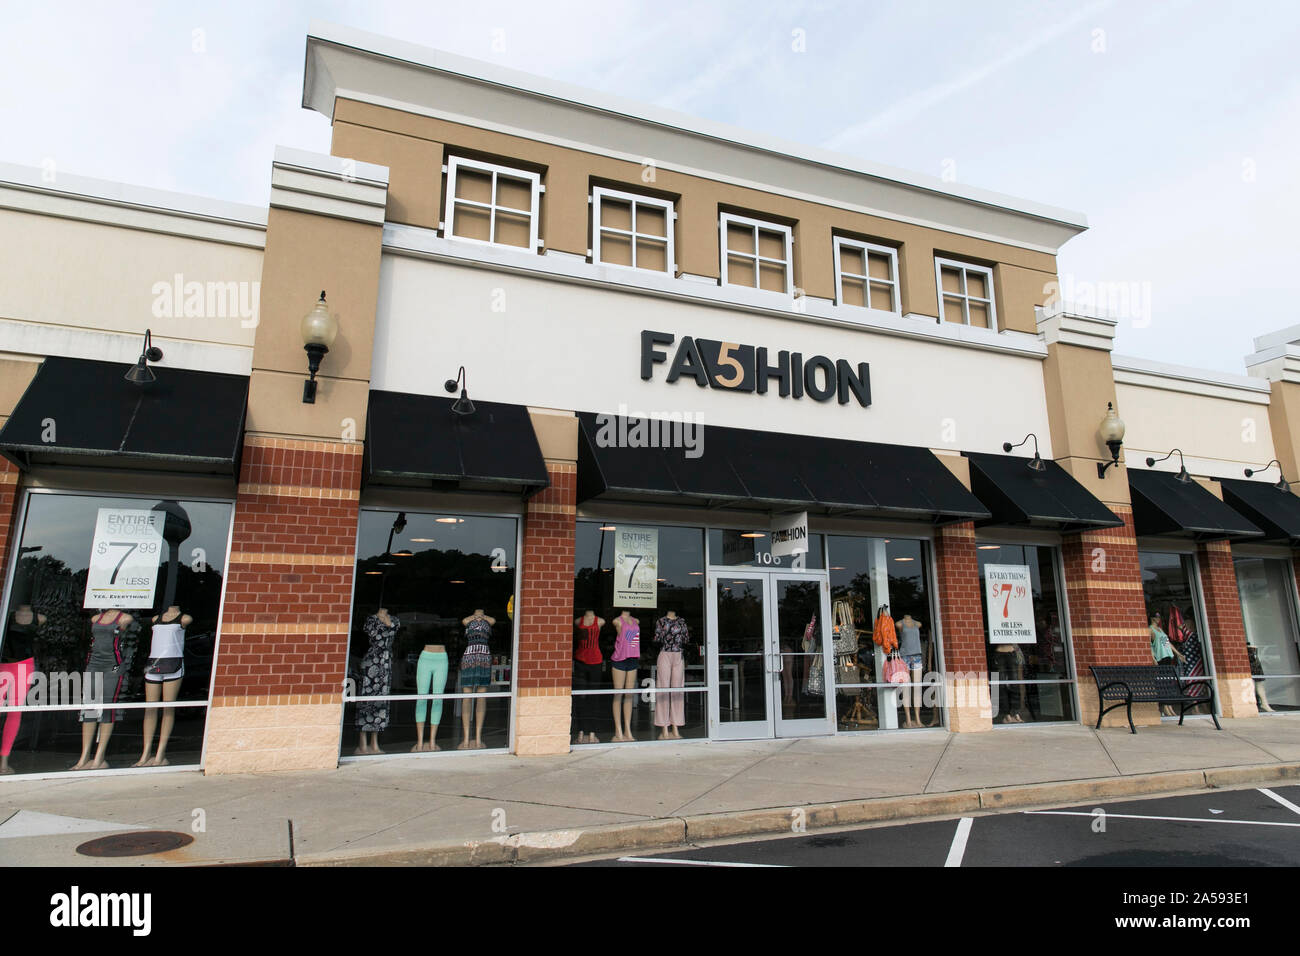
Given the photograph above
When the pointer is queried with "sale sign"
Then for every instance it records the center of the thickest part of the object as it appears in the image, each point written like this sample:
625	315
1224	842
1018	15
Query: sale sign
636	567
124	558
1010	601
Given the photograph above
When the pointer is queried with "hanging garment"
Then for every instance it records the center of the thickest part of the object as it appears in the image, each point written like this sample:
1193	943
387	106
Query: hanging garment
885	635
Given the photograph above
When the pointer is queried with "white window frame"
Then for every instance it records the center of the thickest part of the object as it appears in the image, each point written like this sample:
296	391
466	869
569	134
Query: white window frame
867	248
730	219
453	167
964	295
599	193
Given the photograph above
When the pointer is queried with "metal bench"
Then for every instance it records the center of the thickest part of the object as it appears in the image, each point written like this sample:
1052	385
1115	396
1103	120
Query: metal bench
1149	684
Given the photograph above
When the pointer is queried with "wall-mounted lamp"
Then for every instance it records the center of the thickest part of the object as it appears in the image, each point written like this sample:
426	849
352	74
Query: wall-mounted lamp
1112	433
140	373
319	328
399	525
1281	484
462	405
1183	476
1036	463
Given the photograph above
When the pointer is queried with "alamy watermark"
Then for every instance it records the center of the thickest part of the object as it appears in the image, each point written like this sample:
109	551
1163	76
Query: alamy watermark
626	429
177	298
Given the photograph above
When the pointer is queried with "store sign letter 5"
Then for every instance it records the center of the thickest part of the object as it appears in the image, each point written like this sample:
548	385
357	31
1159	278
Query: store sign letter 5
748	368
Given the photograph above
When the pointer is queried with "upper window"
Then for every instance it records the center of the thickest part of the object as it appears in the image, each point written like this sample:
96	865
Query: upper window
630	230
489	203
965	293
755	253
867	275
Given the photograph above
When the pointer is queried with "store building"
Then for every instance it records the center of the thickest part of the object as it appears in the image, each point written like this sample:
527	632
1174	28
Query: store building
578	355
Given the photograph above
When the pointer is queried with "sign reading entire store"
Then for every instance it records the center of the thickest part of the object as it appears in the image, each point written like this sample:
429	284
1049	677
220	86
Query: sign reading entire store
749	368
1010	604
124	557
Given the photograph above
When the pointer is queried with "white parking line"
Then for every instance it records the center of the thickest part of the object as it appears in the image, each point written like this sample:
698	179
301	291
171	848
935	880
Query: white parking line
1135	816
1282	800
958	848
652	859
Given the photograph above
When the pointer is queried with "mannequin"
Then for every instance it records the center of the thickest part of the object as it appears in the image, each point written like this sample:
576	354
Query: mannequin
587	672
162	680
1256	673
672	635
17	667
376	679
107	664
430	678
909	645
475	675
1163	652
1006	661
624	663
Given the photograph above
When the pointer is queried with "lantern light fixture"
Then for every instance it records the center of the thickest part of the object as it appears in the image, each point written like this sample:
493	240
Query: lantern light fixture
319	328
1112	433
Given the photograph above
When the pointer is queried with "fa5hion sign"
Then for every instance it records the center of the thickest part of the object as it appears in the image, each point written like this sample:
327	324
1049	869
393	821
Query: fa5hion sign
750	368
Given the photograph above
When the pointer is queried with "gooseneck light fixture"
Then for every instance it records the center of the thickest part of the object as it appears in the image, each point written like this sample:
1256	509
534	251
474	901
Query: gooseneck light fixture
319	329
1036	463
1183	476
1112	433
462	405
140	373
1281	484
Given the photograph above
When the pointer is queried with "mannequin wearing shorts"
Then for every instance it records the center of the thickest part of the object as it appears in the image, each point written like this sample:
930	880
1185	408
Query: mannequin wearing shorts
17	667
475	675
162	680
623	664
105	676
909	646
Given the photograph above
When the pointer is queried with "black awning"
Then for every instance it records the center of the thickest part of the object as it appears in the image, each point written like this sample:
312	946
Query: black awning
84	413
417	440
1163	505
740	467
1018	495
1275	511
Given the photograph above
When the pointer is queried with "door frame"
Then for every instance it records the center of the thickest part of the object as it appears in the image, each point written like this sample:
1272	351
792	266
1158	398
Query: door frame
773	725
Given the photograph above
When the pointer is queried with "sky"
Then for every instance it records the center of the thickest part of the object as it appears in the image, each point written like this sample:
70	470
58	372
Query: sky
1173	126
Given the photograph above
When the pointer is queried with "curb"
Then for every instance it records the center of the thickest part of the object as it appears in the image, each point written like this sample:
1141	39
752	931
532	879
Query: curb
680	832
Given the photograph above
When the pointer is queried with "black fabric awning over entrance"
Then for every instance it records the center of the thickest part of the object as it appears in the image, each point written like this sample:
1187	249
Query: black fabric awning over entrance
84	413
1275	511
739	467
417	440
1018	495
1163	505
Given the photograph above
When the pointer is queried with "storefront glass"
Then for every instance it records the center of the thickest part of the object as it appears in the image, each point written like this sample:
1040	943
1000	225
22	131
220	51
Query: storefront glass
753	549
113	600
1267	588
433	635
628	690
872	577
1169	590
1030	677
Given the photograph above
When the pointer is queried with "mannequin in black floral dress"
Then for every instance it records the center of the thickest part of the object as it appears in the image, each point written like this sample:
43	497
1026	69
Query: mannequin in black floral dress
376	679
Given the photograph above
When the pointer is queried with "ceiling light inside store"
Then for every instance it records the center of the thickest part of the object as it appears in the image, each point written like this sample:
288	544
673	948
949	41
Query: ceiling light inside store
838	567
607	527
695	573
904	559
456	582
449	520
374	572
422	540
990	547
752	534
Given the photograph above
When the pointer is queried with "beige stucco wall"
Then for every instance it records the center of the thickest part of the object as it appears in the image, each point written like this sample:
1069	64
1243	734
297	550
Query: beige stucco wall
412	146
1218	436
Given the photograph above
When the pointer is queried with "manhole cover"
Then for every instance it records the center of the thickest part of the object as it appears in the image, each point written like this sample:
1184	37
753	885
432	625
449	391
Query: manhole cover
136	843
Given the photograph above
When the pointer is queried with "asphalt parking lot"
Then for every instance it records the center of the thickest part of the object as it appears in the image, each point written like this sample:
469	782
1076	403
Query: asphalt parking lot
1248	827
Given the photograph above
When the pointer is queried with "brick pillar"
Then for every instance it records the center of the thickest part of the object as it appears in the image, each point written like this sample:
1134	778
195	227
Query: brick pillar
545	662
966	677
277	701
1227	631
1108	622
8	509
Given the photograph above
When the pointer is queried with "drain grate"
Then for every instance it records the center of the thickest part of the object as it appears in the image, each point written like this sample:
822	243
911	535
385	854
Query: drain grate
136	843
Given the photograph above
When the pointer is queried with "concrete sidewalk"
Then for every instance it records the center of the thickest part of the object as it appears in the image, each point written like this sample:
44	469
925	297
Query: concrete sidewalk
472	809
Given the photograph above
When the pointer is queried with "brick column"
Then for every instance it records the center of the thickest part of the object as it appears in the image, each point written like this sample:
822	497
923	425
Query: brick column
1108	622
966	678
278	697
1227	631
545	661
8	509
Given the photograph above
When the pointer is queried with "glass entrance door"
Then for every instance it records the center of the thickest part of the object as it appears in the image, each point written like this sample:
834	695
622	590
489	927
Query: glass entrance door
767	655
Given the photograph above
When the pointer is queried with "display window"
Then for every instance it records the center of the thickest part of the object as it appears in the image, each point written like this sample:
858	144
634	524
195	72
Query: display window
110	631
1267	589
1174	620
432	645
888	667
639	668
1030	670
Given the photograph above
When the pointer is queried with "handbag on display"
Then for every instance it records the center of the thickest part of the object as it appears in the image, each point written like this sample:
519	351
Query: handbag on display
846	672
816	683
895	670
846	635
163	666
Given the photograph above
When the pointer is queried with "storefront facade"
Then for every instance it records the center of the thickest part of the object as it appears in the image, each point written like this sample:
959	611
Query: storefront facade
741	450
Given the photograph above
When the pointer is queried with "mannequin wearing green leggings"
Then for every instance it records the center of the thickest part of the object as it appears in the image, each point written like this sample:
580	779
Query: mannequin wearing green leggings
430	677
